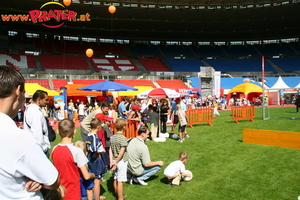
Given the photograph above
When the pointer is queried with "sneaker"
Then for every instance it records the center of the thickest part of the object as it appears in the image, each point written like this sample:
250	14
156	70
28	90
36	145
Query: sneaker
169	181
140	181
180	140
187	136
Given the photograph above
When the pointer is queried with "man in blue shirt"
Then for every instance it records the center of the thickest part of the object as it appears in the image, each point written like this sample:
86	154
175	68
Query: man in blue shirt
122	112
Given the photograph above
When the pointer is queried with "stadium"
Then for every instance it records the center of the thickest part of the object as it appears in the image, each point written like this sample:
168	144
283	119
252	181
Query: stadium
184	45
153	41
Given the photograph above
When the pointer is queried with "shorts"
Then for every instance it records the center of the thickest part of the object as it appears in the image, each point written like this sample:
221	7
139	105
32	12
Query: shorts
181	128
175	120
121	171
85	185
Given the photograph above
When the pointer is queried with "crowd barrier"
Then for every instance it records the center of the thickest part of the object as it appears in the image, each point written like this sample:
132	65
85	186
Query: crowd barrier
243	112
199	116
272	138
131	129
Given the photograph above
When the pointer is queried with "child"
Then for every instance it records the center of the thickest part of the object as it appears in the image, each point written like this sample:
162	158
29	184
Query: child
67	159
153	122
94	147
119	158
176	170
215	106
104	135
182	123
86	186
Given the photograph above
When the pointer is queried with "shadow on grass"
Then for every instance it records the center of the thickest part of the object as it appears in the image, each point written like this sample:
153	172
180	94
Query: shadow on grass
109	185
164	180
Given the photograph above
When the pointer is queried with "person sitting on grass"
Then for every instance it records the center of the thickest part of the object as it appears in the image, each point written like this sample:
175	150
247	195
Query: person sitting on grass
176	170
140	166
94	148
119	158
70	161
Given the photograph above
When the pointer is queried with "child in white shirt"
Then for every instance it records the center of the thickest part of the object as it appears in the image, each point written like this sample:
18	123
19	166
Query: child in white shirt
176	170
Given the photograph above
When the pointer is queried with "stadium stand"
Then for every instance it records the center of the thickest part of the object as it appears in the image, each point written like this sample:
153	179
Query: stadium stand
173	84
154	64
288	64
58	83
42	82
275	50
183	65
133	83
209	51
20	60
87	81
107	48
71	47
236	51
142	50
176	51
45	46
63	62
238	65
113	64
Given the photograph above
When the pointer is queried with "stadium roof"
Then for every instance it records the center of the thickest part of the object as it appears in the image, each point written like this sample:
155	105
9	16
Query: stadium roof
166	20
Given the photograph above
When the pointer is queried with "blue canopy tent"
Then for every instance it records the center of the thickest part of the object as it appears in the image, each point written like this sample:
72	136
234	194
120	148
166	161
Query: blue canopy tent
107	86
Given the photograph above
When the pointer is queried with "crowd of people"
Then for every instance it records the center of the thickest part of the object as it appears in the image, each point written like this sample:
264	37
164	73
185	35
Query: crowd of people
78	166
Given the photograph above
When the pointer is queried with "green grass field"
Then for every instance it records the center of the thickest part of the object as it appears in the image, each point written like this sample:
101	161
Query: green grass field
223	166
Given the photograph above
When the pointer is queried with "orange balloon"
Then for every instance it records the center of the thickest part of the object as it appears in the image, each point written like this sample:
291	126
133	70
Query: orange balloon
89	53
67	2
112	9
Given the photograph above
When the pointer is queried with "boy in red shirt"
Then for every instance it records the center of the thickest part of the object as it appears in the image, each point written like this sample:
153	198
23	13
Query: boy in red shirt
68	160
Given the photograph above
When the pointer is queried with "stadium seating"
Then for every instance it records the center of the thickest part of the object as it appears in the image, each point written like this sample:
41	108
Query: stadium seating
71	47
20	61
87	81
154	64
172	84
63	62
288	64
58	83
239	65
43	46
176	51
106	48
42	82
142	50
183	65
133	83
275	50
113	64
209	51
240	51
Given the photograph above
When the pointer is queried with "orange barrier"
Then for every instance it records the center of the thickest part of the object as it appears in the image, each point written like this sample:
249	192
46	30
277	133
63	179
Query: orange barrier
131	129
243	112
272	138
199	115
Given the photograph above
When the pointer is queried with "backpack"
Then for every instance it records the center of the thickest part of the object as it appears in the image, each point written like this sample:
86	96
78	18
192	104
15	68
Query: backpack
51	132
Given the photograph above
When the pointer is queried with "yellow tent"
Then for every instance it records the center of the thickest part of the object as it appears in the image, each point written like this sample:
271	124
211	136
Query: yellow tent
30	89
246	88
134	93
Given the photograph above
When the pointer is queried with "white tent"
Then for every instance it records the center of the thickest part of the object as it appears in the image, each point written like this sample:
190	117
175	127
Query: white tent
280	84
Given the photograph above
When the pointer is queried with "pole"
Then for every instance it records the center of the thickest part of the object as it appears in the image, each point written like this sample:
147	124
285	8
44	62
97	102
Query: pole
263	85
